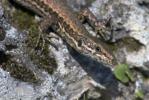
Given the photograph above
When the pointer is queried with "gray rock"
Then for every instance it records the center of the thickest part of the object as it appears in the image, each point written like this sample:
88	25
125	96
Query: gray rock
75	73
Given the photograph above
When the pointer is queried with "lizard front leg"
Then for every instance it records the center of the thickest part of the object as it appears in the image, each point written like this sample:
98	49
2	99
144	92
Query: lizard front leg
99	27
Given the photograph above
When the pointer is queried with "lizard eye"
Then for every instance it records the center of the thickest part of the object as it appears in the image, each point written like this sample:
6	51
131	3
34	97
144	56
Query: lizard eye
98	49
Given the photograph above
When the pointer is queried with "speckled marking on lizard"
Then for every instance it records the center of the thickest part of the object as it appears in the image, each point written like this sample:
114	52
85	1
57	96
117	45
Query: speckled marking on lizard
75	33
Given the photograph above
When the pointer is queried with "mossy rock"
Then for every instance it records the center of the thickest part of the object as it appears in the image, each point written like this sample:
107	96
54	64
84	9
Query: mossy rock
20	72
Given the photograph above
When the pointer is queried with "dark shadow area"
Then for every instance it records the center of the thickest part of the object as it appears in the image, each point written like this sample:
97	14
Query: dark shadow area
2	34
144	4
144	72
23	7
100	72
3	57
17	70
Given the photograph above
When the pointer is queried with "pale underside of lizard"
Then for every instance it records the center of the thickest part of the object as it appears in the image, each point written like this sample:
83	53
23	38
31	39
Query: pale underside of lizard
73	32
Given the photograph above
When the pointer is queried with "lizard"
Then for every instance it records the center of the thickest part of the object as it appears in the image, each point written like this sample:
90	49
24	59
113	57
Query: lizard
76	35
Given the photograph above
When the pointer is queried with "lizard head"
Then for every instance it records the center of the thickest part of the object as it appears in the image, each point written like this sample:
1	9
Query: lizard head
95	50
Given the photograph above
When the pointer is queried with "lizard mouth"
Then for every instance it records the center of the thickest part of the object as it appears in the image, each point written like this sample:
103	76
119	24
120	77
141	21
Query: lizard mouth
105	58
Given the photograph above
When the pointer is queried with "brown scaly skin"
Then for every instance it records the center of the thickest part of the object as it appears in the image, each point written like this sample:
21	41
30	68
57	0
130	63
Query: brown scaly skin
72	29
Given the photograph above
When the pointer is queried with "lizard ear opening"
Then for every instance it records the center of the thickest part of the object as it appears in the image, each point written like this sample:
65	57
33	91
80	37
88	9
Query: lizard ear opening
80	43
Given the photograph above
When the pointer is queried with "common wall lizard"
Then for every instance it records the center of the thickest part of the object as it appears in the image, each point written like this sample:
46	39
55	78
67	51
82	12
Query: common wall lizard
75	33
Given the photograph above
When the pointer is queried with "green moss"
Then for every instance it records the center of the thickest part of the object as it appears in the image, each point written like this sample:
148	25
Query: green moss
39	56
44	61
25	20
2	34
20	72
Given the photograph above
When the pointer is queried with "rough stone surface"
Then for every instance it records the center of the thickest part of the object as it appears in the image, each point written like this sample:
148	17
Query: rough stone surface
77	75
74	75
129	18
